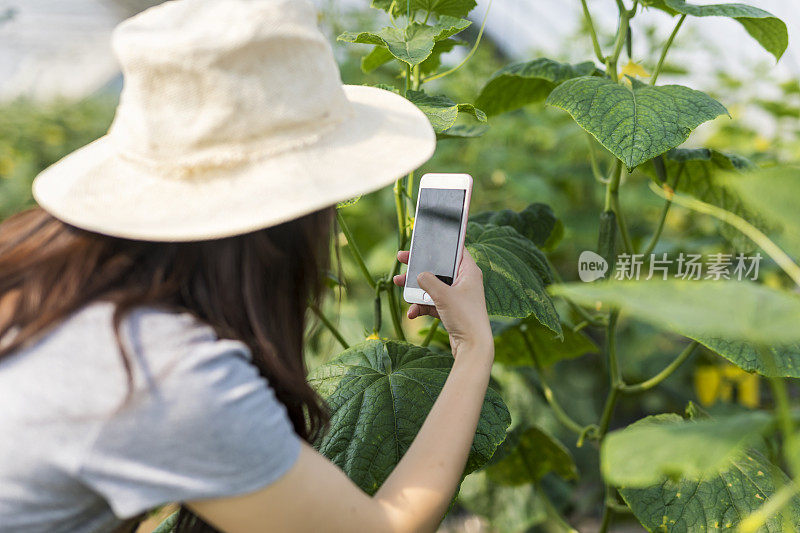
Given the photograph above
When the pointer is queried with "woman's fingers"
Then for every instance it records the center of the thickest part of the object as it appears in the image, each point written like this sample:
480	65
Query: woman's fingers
400	280
402	256
416	310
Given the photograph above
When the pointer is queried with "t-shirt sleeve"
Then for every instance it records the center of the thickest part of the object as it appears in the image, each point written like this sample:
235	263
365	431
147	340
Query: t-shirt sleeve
208	426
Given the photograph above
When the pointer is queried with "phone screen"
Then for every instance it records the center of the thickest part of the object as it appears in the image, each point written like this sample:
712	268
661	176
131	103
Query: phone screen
436	232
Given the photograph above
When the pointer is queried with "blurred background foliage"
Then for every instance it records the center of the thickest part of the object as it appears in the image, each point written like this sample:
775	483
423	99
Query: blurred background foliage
532	155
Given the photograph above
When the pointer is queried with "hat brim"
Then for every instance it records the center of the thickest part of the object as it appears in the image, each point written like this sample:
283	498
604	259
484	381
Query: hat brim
95	189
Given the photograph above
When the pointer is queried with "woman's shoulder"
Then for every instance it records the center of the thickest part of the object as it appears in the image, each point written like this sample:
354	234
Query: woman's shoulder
153	342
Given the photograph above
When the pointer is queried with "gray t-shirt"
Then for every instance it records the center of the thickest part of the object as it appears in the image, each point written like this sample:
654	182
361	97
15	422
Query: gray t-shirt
201	424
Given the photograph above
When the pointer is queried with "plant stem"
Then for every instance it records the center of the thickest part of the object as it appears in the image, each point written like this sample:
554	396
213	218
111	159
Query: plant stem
394	311
469	55
606	513
431	332
598	52
593	158
782	408
612	203
660	64
662	219
664	374
377	318
622	31
400	207
756	235
615	375
351	244
328	324
560	414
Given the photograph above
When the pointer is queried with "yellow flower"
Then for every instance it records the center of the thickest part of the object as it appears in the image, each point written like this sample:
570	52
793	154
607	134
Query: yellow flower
748	390
707	380
635	70
714	383
373	337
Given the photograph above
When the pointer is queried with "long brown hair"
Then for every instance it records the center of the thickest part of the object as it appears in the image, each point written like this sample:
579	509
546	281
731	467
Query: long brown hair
253	287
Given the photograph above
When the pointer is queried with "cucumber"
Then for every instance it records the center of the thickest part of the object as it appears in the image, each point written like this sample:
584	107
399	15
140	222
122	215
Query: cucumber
607	240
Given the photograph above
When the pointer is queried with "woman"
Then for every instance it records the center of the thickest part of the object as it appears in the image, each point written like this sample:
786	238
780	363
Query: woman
152	310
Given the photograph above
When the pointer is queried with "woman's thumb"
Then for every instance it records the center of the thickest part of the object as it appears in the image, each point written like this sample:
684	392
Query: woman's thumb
432	285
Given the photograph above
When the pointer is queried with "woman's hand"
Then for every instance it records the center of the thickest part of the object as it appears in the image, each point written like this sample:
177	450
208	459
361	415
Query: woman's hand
461	306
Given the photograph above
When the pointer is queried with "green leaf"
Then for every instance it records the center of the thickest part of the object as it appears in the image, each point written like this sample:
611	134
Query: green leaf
379	393
745	355
527	455
461	131
413	44
515	274
454	8
714	503
667	446
441	111
537	222
377	57
381	55
348	202
764	27
634	123
511	349
735	310
520	84
508	509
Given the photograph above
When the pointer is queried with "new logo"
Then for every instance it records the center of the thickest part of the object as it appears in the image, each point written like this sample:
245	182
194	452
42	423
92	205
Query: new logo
591	266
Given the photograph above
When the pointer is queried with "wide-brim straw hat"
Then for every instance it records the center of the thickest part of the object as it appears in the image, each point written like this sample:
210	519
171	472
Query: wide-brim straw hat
232	118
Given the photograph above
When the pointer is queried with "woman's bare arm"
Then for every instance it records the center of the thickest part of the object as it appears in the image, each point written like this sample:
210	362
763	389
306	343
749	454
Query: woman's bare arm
315	495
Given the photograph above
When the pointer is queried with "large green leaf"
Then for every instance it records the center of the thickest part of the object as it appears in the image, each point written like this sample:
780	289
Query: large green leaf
511	347
379	393
441	111
634	123
520	84
515	273
773	193
537	222
527	455
508	509
763	26
716	502
667	446
735	310
413	44
454	8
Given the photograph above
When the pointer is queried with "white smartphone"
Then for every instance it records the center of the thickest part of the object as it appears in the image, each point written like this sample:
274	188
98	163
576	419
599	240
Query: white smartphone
440	224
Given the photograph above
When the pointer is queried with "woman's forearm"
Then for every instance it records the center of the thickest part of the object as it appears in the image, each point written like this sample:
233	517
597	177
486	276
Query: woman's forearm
419	490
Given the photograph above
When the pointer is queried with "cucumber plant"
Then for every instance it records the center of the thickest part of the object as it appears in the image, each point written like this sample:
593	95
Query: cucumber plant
674	473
